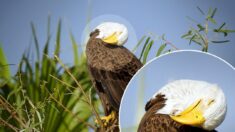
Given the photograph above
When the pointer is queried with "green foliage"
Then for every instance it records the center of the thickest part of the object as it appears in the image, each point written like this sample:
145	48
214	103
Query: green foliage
149	41
44	95
75	50
201	34
4	68
160	50
145	50
139	43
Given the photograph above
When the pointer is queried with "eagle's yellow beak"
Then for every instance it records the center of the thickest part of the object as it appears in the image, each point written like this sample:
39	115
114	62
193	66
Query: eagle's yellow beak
112	39
191	116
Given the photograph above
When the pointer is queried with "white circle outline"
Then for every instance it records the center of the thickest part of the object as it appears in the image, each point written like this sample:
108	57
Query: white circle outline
162	55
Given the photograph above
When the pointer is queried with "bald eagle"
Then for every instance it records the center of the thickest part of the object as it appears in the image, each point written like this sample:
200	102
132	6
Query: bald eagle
185	106
111	65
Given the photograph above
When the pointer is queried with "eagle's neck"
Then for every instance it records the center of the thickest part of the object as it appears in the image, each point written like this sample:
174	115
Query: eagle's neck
100	54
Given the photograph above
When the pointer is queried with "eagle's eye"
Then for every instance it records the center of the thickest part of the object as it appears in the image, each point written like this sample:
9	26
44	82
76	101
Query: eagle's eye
211	102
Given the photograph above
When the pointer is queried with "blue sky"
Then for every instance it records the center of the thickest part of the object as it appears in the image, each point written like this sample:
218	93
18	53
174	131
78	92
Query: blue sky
175	66
156	16
141	17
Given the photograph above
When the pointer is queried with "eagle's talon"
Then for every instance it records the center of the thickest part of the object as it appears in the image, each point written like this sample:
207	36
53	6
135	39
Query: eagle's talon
107	119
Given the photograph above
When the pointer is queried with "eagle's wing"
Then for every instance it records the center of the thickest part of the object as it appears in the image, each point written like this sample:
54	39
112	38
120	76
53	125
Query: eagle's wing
164	123
157	123
153	122
100	91
111	83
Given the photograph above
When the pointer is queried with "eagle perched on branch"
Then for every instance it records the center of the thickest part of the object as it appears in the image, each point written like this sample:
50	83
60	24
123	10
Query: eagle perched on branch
111	67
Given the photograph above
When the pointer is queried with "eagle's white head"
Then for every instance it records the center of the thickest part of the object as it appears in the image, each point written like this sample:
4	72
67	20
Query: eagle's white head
194	103
112	33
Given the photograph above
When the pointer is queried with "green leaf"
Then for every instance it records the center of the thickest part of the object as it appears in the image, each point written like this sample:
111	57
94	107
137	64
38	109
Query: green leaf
211	20
222	26
221	41
200	10
37	71
143	49
201	28
48	25
138	44
75	49
45	61
192	38
228	31
197	42
45	50
213	13
57	48
146	52
161	48
209	13
224	31
35	40
199	36
189	33
4	68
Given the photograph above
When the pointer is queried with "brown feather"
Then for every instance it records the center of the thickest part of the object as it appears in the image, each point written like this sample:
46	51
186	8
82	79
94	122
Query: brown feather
152	122
111	67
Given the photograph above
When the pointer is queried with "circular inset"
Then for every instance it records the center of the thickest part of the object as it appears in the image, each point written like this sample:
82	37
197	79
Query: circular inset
179	65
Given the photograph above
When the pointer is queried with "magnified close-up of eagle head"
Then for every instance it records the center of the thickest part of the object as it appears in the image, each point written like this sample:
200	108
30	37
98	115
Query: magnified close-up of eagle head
185	106
111	66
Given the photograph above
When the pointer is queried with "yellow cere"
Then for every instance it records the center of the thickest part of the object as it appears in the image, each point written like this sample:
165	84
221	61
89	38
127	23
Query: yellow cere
112	39
192	116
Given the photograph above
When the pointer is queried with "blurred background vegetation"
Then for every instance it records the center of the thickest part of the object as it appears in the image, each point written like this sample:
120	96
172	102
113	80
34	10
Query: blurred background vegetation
47	95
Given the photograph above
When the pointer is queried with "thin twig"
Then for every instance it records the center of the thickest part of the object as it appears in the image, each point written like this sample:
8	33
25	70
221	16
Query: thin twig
158	37
206	37
21	85
13	112
111	129
83	92
172	45
63	82
74	115
3	122
68	85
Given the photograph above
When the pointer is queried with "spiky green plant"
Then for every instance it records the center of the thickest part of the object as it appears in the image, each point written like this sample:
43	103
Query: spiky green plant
46	95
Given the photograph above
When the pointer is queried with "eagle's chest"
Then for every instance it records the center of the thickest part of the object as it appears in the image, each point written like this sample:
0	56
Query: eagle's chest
103	57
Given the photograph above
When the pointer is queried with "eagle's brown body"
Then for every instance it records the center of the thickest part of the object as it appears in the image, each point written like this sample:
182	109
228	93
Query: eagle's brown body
153	122
111	68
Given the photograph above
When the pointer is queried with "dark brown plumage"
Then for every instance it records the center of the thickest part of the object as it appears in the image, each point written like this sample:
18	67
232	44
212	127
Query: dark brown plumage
152	122
111	68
